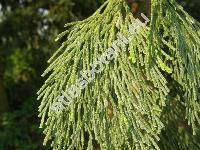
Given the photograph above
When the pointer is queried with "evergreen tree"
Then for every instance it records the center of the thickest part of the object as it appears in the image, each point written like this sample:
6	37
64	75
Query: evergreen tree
147	97
27	32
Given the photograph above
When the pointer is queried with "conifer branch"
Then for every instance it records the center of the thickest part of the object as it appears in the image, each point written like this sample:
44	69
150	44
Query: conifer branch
123	107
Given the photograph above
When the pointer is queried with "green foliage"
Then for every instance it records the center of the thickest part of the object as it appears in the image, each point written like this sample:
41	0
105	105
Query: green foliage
19	129
27	32
192	6
153	99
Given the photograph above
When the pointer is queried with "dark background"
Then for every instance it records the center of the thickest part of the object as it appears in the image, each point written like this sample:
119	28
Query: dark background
27	32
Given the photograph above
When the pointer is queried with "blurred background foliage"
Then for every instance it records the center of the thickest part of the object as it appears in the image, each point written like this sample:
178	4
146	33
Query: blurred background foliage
27	32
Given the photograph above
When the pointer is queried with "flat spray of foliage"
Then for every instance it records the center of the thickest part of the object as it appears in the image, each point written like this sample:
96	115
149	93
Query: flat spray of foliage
147	98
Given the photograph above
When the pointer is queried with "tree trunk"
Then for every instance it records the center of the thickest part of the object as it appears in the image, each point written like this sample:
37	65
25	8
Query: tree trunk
136	7
148	2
